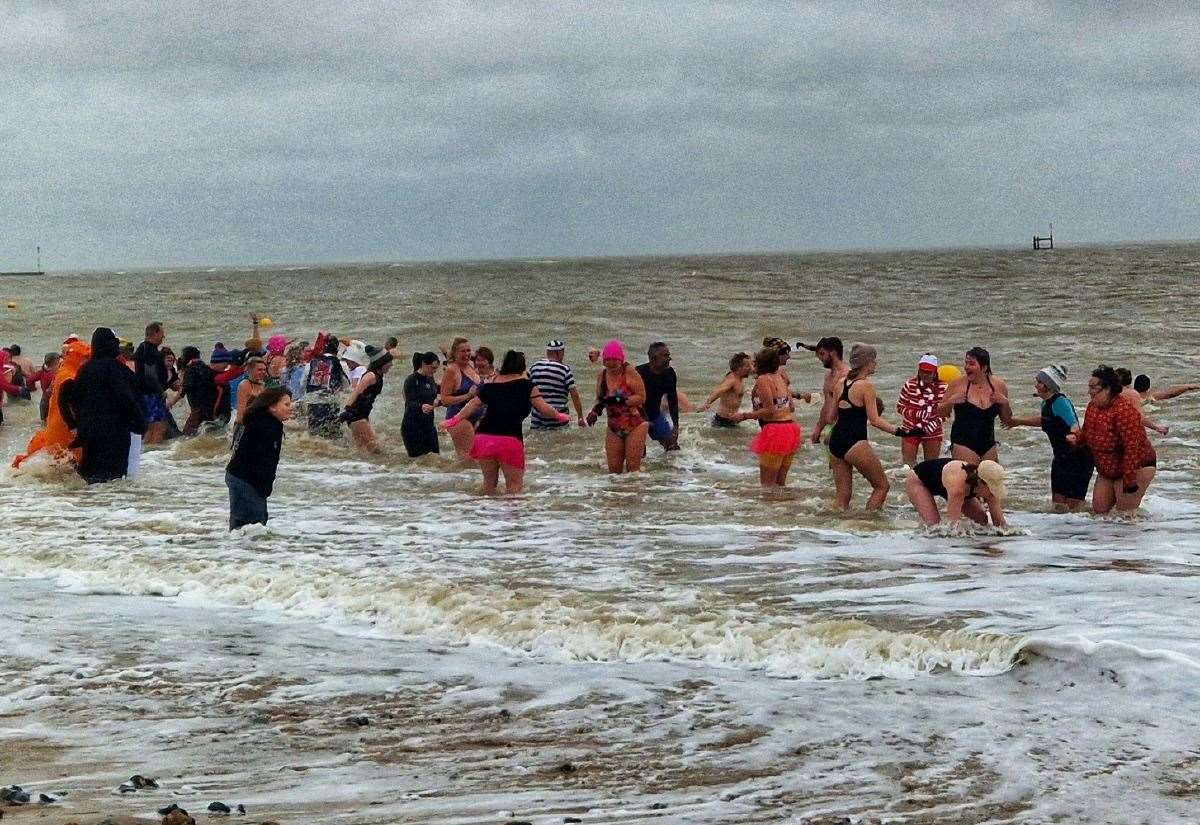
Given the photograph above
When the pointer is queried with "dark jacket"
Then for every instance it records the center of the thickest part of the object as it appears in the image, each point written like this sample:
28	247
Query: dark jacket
150	369
103	406
200	388
257	455
103	400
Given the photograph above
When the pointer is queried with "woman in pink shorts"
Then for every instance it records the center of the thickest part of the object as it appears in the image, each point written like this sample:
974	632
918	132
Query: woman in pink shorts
499	446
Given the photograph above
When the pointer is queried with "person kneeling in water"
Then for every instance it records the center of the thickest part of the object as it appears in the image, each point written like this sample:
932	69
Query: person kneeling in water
967	488
250	474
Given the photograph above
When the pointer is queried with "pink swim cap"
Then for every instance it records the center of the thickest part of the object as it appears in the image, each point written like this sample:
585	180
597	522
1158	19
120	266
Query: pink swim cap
277	344
613	349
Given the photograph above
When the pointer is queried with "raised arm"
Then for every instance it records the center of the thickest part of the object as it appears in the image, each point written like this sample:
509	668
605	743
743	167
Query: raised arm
1173	392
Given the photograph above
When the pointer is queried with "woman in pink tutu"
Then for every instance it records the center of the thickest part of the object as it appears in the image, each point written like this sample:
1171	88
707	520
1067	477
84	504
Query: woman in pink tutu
499	446
772	405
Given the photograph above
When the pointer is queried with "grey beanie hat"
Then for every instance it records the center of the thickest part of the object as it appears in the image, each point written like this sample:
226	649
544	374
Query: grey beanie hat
1053	376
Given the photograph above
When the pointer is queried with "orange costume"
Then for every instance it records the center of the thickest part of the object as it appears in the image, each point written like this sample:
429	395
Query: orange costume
56	436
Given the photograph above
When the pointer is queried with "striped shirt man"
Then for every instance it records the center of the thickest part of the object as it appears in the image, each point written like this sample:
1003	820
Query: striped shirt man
556	382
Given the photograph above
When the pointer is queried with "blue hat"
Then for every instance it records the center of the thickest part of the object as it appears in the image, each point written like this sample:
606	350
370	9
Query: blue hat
220	355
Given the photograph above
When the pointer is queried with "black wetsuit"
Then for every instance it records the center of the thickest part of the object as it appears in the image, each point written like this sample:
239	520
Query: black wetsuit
1071	470
659	384
418	429
851	425
974	427
103	405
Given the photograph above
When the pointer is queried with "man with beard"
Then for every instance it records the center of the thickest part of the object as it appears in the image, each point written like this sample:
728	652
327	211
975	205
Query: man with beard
829	352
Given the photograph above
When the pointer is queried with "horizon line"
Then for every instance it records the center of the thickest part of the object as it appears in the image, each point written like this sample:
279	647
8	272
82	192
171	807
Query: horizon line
610	257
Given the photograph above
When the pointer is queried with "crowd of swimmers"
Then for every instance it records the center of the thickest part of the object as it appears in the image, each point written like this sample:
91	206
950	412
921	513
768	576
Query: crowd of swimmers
112	397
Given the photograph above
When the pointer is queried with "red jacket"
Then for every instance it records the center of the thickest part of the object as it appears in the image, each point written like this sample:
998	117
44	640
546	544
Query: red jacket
1117	438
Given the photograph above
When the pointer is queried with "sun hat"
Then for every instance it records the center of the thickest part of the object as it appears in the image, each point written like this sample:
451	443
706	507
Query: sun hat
993	474
356	352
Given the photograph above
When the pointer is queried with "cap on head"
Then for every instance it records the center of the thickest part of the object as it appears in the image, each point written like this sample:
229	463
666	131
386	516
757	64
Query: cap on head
555	345
1141	383
928	363
613	349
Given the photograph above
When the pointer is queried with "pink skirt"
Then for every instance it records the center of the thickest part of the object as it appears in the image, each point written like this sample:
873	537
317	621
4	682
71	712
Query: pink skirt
778	438
506	449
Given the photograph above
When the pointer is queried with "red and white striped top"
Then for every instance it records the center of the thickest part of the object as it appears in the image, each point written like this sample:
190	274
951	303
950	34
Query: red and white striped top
918	406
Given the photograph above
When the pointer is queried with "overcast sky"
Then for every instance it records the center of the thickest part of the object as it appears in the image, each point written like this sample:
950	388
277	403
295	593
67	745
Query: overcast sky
237	132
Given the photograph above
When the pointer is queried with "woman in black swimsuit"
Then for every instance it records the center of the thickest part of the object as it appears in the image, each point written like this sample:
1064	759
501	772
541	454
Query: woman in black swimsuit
976	398
966	486
849	449
362	400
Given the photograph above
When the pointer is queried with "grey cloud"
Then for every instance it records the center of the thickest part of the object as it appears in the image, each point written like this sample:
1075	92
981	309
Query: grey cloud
202	132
